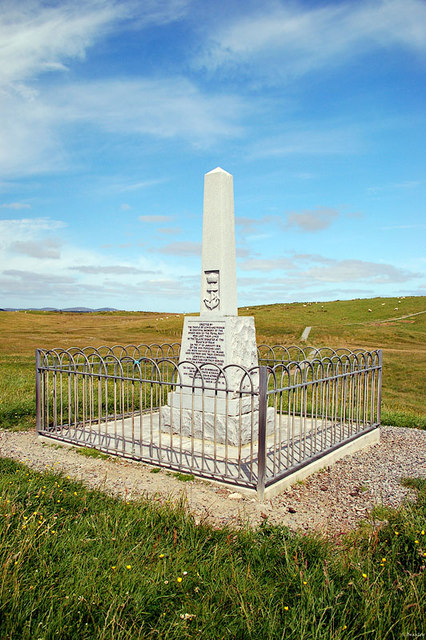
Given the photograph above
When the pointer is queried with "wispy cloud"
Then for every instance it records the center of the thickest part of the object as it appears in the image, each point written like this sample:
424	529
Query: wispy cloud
181	249
402	226
135	186
115	269
172	231
165	107
267	264
33	132
15	205
359	270
305	269
311	140
308	220
282	40
155	218
315	220
27	228
39	37
48	248
408	184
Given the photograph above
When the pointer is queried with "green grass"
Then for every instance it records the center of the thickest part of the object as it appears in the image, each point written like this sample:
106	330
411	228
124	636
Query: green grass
91	453
184	477
17	392
76	563
401	419
334	324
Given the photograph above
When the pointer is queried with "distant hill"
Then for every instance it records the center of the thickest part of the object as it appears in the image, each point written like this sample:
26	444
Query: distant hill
68	309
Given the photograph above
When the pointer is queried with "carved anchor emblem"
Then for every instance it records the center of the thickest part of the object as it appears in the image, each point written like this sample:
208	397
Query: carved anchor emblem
212	289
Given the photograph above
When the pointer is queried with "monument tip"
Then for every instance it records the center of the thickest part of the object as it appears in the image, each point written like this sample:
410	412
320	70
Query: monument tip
218	170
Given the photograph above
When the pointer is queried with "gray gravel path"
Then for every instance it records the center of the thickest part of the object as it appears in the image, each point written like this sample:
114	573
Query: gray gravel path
332	501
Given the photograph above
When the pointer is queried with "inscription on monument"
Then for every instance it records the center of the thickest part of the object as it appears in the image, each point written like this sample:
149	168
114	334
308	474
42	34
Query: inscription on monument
205	343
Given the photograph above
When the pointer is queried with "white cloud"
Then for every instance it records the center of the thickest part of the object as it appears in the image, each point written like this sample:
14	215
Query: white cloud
83	275
181	249
279	40
35	115
309	220
155	218
33	133
303	270
26	229
173	231
267	264
15	205
165	107
39	37
116	269
359	270
318	139
314	220
134	186
408	184
48	248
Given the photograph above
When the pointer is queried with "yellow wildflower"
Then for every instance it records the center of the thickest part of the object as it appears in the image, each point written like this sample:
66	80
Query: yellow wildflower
179	579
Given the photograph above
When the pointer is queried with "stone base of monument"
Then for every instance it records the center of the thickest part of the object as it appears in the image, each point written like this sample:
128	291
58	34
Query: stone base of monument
224	403
218	379
215	427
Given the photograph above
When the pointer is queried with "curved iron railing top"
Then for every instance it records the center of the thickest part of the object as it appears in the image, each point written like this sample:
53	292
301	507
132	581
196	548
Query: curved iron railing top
125	357
267	354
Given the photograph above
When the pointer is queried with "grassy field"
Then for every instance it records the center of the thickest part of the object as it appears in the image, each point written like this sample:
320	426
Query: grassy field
76	563
334	324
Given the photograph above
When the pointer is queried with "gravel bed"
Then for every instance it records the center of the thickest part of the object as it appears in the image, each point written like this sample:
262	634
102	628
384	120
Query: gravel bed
331	501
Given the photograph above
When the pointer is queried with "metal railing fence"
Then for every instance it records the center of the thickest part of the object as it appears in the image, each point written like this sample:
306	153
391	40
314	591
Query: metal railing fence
245	427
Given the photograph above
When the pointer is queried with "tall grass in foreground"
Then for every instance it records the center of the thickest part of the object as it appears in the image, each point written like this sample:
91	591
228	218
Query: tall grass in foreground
79	564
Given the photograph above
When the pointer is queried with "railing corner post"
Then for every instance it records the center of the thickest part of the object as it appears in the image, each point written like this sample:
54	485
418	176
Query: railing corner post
261	442
379	390
38	390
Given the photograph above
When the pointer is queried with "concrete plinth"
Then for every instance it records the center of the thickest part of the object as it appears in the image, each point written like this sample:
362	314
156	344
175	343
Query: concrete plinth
217	427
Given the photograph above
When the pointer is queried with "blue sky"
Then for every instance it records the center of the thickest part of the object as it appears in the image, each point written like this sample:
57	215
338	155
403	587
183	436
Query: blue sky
111	112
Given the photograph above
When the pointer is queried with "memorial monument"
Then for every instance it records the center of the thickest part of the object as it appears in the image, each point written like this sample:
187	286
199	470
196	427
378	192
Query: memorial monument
222	346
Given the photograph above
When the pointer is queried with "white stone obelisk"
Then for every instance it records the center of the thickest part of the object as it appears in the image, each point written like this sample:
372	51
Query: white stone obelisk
219	336
210	397
218	270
